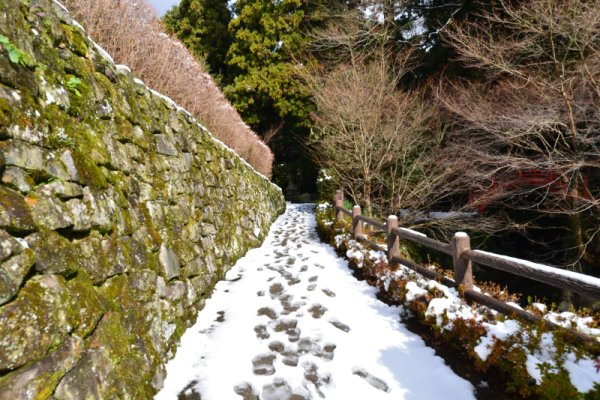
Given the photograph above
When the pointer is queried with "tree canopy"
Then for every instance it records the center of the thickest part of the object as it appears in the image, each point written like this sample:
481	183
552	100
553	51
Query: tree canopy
202	25
491	92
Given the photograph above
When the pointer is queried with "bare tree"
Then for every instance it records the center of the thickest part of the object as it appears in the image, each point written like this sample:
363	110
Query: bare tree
368	131
379	139
536	112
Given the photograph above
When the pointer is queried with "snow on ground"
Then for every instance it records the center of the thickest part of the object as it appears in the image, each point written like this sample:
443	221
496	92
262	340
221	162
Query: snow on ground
291	322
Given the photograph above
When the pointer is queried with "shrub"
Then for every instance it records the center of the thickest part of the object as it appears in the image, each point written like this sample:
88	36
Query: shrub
532	361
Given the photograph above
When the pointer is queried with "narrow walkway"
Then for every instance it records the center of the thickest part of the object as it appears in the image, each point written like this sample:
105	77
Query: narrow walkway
291	322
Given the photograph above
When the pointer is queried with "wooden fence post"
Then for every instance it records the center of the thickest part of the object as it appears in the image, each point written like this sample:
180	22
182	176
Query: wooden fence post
393	242
338	203
463	270
356	223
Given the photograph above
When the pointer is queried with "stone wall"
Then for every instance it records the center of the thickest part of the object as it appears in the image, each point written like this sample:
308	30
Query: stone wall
118	213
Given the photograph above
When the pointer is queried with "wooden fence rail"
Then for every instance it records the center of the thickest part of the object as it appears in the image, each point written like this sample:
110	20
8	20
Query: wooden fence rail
463	257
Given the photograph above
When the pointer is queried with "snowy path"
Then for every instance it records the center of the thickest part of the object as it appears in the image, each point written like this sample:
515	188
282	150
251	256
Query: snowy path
291	322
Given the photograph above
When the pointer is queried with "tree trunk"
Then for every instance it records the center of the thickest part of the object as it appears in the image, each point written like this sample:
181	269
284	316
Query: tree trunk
578	240
367	196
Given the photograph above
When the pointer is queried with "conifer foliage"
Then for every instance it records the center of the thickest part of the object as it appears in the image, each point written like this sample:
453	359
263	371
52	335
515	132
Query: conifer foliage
202	25
265	36
255	58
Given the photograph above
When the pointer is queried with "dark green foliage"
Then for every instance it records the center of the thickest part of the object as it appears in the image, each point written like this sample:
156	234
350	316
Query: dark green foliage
202	26
263	87
255	56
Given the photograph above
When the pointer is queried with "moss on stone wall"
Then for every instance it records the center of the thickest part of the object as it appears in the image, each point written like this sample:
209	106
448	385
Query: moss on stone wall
118	214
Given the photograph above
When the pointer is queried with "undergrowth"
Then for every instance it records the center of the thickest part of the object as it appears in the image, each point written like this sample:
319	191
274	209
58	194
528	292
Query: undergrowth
534	362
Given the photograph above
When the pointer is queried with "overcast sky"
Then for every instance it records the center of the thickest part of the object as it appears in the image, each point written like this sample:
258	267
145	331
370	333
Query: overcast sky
163	5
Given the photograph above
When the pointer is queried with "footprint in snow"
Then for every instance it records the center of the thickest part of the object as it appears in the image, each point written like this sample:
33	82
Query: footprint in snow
276	289
305	345
285	324
290	358
221	316
311	374
317	311
276	346
339	325
262	364
372	380
293	281
268	311
288	306
277	390
261	332
245	390
189	392
327	351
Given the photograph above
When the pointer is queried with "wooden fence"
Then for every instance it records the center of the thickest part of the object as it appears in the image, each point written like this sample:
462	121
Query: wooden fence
463	257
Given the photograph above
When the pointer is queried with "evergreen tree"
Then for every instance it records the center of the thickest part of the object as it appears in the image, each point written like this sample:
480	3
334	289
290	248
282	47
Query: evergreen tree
266	35
258	61
202	25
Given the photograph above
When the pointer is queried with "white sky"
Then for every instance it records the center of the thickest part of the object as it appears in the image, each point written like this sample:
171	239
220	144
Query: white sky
163	5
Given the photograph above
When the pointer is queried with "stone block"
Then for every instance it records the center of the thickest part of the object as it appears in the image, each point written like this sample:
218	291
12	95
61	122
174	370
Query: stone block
175	291
14	212
54	254
37	159
62	190
156	209
17	179
67	160
91	257
38	380
49	213
10	246
119	157
194	268
161	287
142	284
102	206
13	272
89	379
164	145
79	214
117	253
169	262
25	156
33	323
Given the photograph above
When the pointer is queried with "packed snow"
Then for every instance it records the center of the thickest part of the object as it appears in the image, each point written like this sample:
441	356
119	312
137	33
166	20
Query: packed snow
290	321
